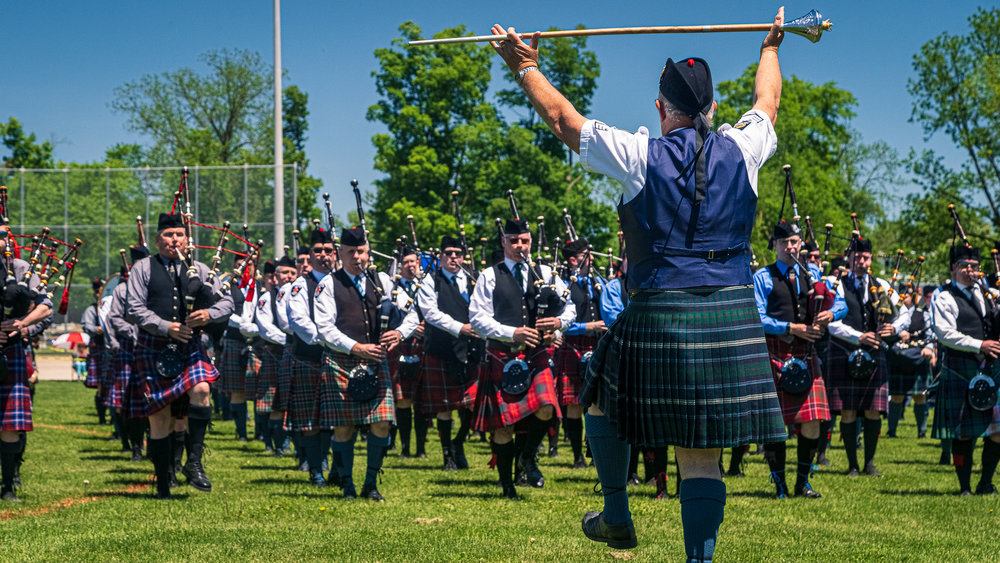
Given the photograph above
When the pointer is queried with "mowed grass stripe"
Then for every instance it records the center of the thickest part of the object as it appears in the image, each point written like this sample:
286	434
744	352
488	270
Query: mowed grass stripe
262	510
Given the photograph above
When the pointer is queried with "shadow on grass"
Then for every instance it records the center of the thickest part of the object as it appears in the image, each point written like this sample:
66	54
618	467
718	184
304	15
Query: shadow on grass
488	494
277	481
124	481
753	494
130	470
266	468
464	482
105	458
412	467
918	493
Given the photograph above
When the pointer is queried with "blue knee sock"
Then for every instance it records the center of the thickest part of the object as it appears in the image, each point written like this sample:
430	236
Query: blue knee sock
343	460
702	505
310	444
376	451
611	457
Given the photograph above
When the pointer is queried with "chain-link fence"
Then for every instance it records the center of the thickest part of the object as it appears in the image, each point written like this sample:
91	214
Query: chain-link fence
99	206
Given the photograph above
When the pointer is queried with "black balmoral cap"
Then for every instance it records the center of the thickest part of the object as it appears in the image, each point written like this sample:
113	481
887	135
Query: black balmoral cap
784	229
320	236
961	252
450	242
687	84
269	267
354	236
286	262
515	227
137	253
572	248
169	221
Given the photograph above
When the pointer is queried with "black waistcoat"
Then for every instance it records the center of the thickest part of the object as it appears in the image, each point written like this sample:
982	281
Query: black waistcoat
274	305
511	307
918	321
357	317
860	316
302	351
163	296
781	305
587	309
440	342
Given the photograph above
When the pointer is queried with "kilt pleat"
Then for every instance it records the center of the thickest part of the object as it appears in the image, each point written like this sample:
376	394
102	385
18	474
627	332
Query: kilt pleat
566	373
134	391
15	394
405	387
232	365
267	377
907	379
250	374
93	379
304	399
953	417
440	390
161	391
847	393
495	409
339	409
802	407
117	383
283	390
686	368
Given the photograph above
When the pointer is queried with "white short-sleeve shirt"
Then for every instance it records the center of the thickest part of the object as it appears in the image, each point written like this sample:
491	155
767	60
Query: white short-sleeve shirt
622	155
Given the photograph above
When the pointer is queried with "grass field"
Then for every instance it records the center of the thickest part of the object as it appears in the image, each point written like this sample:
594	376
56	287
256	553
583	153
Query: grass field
83	500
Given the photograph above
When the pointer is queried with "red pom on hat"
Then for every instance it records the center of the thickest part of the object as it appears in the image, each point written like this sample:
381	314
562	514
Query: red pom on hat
690	62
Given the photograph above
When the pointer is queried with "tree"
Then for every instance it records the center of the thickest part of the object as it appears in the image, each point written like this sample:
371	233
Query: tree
444	133
833	172
295	112
25	150
213	118
956	91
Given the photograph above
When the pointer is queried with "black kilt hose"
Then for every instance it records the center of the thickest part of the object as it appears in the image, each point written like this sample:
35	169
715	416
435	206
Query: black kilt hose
686	368
954	418
404	381
162	392
801	407
444	385
267	375
847	393
337	408
232	364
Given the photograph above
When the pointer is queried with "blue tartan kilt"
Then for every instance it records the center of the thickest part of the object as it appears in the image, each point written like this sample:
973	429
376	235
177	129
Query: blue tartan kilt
134	390
15	394
161	392
906	378
687	368
953	417
232	365
846	393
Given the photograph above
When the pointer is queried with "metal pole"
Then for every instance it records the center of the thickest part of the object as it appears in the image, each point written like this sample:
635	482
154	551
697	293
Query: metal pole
246	199
197	217
22	201
279	150
145	218
65	204
107	223
295	203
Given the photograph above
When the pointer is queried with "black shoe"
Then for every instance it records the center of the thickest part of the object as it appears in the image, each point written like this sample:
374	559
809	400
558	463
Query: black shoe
986	489
620	536
853	472
242	439
553	451
317	480
325	466
449	464
371	493
921	435
458	452
965	493
304	466
945	459
196	477
661	486
806	491
633	479
580	463
350	493
735	472
405	452
136	455
871	471
174	483
509	491
532	475
9	496
891	435
421	455
821	459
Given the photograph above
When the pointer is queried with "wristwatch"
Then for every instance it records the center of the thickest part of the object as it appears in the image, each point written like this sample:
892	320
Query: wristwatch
523	71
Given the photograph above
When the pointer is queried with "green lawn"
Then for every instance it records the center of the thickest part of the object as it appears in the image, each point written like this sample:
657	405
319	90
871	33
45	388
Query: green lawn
83	500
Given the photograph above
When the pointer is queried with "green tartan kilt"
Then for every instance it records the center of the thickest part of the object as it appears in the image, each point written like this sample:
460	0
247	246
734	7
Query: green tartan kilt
953	417
687	368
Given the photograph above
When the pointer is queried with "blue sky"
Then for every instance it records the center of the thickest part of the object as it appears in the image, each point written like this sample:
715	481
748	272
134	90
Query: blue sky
63	60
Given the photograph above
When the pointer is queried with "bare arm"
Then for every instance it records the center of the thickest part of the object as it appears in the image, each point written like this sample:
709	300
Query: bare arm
767	85
557	112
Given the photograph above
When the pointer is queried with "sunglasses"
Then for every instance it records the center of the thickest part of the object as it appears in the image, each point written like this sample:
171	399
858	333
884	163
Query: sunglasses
452	252
321	250
300	260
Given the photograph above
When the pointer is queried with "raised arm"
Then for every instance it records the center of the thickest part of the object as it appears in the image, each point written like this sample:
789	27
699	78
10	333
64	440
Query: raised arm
767	85
557	112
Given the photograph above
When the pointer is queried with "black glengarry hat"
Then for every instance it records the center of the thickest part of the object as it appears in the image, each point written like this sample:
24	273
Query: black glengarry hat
450	242
354	236
137	253
269	267
574	247
783	229
169	221
859	244
961	252
320	236
286	262
687	84
515	227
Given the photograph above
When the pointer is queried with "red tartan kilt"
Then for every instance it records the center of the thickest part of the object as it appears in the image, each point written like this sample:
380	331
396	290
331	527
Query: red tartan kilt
250	381
161	392
15	395
806	406
134	392
304	399
496	409
439	391
567	376
232	365
337	408
405	388
93	379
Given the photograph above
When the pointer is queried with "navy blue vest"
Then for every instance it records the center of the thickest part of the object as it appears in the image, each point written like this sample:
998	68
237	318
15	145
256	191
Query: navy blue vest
440	342
672	243
781	305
